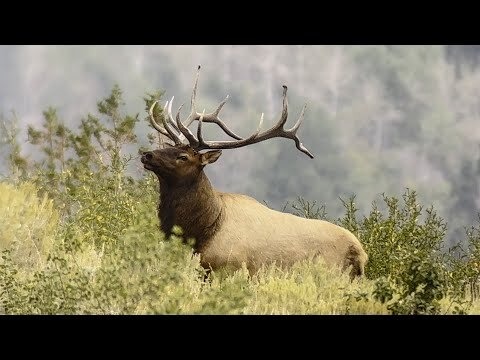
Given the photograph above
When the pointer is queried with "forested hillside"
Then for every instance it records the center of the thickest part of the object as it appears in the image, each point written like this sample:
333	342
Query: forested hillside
379	118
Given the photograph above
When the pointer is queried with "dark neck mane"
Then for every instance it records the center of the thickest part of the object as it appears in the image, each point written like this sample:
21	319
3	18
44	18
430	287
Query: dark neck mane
195	207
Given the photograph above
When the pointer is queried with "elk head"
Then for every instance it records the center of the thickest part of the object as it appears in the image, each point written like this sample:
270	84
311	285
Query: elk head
178	165
181	162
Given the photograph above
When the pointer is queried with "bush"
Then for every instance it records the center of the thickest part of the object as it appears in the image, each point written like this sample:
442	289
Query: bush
465	264
27	222
413	273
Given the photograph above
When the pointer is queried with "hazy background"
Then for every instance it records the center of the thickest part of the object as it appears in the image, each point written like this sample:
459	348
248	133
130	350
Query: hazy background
379	118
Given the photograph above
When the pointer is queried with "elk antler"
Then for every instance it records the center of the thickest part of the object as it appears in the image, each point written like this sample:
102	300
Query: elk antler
169	133
198	143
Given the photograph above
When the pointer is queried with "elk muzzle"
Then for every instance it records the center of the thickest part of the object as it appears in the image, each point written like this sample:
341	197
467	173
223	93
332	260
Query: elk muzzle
146	158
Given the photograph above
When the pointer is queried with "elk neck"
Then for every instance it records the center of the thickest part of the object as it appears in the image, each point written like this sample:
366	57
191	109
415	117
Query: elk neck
196	207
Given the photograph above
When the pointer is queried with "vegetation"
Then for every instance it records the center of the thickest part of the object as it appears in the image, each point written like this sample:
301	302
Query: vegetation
379	117
81	236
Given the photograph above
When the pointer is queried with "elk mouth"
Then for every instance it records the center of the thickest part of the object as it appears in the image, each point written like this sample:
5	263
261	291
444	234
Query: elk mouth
146	163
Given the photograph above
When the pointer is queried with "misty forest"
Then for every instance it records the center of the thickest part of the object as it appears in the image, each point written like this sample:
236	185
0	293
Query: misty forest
392	128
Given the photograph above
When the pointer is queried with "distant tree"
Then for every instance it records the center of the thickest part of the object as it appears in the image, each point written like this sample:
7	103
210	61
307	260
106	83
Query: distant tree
16	165
53	139
466	197
463	55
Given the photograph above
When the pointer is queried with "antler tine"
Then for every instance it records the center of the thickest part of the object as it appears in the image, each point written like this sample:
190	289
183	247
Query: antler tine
260	124
283	118
154	123
220	106
255	134
295	127
199	129
193	111
186	131
293	131
194	93
170	117
171	134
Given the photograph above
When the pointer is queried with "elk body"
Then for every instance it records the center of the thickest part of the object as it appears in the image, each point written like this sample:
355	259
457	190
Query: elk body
231	229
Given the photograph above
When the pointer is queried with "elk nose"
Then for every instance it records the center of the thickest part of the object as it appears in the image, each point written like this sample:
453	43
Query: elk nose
148	155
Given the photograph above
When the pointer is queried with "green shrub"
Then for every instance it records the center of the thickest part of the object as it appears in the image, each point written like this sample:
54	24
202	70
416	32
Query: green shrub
465	265
103	211
418	292
392	240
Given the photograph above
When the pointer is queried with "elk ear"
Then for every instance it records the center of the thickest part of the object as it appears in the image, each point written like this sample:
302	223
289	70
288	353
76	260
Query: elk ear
210	157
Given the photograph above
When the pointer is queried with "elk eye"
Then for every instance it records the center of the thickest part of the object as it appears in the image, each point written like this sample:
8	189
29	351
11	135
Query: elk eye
182	157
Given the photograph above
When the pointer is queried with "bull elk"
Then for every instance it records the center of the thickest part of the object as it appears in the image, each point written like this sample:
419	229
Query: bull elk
231	229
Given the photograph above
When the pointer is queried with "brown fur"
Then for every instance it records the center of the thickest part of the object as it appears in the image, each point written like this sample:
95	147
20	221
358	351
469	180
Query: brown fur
230	229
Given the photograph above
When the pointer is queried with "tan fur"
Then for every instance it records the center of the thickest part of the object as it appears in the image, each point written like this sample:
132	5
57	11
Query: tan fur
254	234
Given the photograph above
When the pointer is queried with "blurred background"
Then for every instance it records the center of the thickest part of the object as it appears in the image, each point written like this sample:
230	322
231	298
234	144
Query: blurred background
379	119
